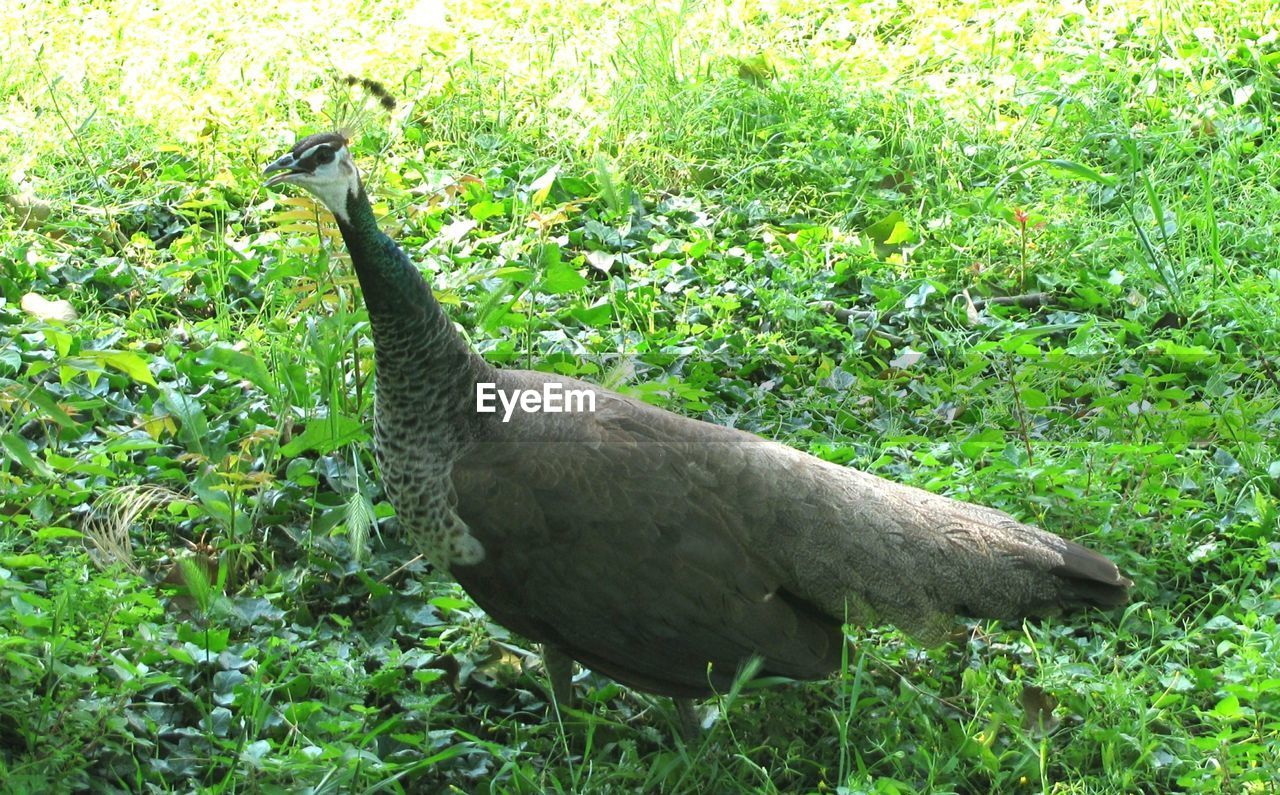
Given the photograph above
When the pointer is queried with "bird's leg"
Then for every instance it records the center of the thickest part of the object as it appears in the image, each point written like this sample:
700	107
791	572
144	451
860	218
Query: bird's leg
560	671
690	720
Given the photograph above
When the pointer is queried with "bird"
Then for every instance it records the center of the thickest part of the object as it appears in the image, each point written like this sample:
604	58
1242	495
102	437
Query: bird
664	552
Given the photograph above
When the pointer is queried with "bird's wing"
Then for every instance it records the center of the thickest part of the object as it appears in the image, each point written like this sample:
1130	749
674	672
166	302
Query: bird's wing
625	547
655	543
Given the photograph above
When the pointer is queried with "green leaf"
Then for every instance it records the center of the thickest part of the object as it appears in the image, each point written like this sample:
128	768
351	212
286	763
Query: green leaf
542	186
46	401
213	499
360	519
884	229
47	533
242	365
324	436
900	234
1057	167
1073	170
1229	708
59	339
10	359
28	561
494	309
449	603
425	676
195	428
608	188
213	640
1033	398
18	451
977	445
559	276
595	316
127	362
299	473
486	209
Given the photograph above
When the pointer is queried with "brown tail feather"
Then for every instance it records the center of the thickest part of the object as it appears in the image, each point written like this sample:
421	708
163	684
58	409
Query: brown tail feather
1090	580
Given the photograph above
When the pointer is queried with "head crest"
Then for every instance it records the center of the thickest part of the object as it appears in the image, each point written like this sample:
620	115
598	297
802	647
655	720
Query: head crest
374	89
351	107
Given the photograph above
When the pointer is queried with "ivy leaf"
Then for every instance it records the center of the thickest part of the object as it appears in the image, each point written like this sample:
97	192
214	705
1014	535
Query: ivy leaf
563	279
906	358
194	428
901	233
920	296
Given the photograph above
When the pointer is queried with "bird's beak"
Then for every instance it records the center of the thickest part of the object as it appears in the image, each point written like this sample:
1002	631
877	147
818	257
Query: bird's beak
287	167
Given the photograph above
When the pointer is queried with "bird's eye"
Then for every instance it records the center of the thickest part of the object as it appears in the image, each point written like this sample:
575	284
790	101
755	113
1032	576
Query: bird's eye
324	155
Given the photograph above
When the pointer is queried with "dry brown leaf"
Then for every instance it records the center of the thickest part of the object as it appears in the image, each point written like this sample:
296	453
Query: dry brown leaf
1038	706
30	210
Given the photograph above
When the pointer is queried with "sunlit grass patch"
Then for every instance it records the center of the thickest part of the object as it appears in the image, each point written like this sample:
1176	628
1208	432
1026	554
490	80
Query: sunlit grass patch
1019	253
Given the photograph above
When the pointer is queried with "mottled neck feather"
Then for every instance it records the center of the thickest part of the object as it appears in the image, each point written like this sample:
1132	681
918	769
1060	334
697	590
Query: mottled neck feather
426	372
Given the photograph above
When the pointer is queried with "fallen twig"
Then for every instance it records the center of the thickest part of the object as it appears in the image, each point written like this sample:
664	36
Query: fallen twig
1027	300
863	315
844	315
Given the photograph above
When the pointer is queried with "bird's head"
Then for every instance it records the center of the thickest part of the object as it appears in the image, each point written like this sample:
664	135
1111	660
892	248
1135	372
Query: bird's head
322	164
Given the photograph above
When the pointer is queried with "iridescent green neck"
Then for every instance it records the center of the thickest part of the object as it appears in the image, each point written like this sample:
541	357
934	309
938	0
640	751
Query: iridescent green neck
389	281
425	368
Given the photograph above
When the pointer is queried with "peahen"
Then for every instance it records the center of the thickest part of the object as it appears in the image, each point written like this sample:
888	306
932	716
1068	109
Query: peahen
659	550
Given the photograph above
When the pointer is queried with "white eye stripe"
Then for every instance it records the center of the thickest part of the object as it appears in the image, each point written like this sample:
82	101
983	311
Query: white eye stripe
311	152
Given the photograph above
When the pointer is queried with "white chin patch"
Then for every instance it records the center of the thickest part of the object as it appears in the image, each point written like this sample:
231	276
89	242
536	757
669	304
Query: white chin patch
334	196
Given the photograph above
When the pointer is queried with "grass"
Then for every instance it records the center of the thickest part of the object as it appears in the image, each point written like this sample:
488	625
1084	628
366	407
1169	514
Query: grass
771	215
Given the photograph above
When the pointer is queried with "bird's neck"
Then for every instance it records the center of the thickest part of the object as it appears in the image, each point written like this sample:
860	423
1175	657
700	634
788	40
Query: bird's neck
425	370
